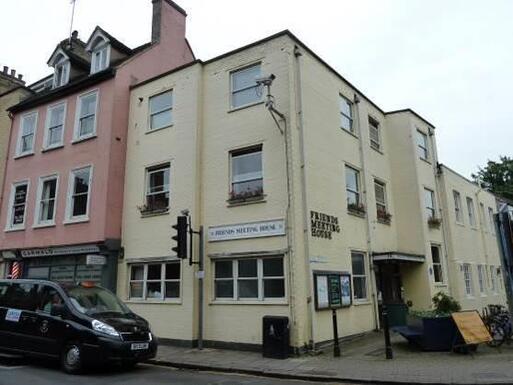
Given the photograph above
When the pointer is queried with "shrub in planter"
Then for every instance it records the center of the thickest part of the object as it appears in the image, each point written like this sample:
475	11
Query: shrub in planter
384	216
434	222
356	208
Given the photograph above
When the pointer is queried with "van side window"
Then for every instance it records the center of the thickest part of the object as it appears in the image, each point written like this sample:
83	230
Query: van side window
48	296
22	296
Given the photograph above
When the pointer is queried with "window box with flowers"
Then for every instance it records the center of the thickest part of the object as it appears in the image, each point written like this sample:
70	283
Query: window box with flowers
434	222
384	216
356	209
256	194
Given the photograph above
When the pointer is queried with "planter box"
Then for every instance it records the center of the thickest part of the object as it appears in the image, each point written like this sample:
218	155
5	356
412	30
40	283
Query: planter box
438	333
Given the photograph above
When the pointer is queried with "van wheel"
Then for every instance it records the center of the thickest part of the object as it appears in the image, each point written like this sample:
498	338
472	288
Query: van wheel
71	358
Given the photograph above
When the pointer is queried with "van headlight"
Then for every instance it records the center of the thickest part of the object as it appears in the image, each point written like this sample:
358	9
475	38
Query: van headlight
102	327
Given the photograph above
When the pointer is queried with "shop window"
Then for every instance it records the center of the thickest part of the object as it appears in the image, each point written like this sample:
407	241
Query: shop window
157	188
85	126
346	114
47	193
422	145
374	134
438	272
55	126
481	278
247	175
244	88
467	279
161	110
18	205
27	133
79	191
157	281
359	276
250	279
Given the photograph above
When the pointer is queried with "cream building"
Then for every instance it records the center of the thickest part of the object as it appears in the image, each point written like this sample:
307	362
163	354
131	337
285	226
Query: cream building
334	202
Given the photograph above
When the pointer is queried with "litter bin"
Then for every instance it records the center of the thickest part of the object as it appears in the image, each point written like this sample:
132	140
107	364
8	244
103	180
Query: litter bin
276	337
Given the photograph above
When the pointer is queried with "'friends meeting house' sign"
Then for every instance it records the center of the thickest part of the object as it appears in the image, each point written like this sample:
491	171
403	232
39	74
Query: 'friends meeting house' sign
323	225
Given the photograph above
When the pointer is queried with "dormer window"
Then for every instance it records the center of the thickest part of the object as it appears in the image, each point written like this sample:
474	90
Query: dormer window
100	52
61	76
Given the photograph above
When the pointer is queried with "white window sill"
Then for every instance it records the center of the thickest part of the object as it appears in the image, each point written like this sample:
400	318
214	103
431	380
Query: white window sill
12	229
378	150
43	225
425	160
460	224
233	109
23	155
440	284
246	302
153	301
353	134
75	220
54	147
151	131
361	302
83	139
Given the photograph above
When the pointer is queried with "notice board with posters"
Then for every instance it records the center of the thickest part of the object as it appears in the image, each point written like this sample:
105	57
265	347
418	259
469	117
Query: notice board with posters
471	327
332	289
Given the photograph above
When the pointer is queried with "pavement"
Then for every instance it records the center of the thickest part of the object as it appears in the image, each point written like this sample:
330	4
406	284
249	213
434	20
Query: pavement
362	361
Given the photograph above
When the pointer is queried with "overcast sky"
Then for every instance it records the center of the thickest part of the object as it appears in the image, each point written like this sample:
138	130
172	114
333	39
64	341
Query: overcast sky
451	61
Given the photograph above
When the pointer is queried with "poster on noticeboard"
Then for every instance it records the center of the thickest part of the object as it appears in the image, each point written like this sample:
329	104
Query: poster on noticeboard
332	290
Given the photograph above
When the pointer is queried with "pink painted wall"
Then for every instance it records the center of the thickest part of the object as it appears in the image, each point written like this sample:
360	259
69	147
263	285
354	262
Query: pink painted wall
106	152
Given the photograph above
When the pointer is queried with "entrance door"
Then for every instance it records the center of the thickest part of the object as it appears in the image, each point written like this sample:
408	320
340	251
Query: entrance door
388	279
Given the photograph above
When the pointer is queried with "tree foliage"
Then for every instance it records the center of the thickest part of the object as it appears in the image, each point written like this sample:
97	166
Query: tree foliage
497	177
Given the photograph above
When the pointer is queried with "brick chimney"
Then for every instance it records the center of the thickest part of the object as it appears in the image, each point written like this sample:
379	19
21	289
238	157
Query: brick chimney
168	17
10	77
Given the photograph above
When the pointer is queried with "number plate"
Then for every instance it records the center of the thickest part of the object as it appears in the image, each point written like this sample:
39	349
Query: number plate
141	346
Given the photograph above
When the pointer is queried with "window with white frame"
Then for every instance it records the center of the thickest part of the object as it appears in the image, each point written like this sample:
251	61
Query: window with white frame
55	117
422	145
247	178
156	280
352	188
346	114
374	134
436	257
429	201
85	126
249	279
471	212
27	134
359	276
467	278
161	110
46	195
79	192
244	88
18	205
492	221
457	206
493	278
381	200
157	187
481	278
61	73
100	57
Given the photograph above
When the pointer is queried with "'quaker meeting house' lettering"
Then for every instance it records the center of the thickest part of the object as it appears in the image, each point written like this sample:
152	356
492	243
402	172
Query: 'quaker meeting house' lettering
323	225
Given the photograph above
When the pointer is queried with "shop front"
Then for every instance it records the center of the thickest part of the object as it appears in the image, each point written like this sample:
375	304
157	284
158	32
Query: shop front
67	264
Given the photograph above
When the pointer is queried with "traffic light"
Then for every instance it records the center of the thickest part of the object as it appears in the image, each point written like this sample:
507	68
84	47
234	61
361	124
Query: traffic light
181	237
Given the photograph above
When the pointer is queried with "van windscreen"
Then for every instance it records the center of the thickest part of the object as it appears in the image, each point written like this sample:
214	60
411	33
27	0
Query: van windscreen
95	300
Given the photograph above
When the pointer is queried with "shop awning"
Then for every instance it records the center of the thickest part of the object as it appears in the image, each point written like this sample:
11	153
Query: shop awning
398	257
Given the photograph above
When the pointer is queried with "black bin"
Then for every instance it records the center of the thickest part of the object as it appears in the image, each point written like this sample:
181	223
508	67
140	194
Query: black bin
276	337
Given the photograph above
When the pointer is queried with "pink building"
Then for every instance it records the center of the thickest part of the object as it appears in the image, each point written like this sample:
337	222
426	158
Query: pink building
63	189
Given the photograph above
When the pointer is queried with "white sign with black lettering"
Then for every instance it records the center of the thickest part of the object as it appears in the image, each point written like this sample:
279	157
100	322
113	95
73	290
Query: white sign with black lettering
13	315
94	259
259	229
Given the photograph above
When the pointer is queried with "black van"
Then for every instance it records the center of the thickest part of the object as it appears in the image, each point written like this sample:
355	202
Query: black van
81	324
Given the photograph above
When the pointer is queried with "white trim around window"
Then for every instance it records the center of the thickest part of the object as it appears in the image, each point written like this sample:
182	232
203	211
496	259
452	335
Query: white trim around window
72	195
145	285
46	203
54	126
26	138
100	57
80	118
10	226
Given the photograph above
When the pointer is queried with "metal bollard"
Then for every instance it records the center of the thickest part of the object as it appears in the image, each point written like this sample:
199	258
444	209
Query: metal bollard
336	346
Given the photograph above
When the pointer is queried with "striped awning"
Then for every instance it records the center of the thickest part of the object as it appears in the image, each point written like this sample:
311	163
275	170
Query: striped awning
398	257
